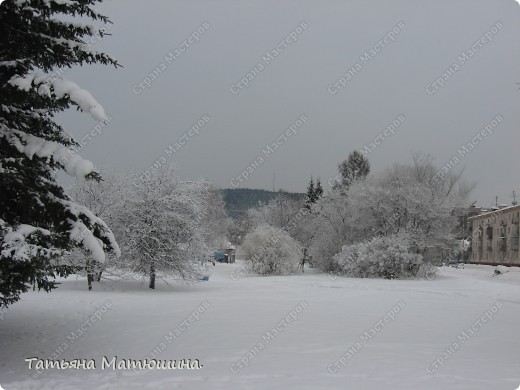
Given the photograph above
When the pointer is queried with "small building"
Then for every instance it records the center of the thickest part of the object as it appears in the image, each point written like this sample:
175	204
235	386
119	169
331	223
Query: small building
495	235
230	255
226	254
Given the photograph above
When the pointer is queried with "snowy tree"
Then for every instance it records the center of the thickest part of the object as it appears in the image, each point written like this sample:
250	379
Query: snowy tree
310	196
403	199
38	221
314	192
280	212
326	229
100	196
160	219
239	227
355	167
318	189
271	251
214	221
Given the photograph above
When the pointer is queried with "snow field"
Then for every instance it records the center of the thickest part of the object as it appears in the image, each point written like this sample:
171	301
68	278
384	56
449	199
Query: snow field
273	332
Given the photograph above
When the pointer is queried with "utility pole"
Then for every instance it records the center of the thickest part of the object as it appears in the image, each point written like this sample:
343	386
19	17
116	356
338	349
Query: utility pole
514	199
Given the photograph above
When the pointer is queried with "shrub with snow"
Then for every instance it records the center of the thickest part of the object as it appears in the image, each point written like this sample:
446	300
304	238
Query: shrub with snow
271	251
382	257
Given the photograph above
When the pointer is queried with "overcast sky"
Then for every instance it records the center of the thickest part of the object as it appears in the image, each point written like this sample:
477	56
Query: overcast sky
428	41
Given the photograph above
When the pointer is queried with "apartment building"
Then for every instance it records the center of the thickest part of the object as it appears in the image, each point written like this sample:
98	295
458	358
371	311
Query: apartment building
494	237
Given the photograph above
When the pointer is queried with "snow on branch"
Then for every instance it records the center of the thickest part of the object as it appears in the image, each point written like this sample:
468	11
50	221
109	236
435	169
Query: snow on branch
46	84
15	243
81	233
31	145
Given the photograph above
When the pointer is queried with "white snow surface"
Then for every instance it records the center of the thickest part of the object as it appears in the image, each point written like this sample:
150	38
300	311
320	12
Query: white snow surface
242	308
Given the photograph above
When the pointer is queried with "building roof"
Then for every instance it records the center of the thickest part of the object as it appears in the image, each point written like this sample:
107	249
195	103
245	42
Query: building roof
497	211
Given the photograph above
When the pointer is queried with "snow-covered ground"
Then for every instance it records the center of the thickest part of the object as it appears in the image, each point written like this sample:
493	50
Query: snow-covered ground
409	324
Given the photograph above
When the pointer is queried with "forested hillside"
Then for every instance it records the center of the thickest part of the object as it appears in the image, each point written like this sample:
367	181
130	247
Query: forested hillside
239	200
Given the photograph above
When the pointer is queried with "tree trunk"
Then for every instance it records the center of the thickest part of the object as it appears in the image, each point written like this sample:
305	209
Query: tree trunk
90	277
152	277
98	276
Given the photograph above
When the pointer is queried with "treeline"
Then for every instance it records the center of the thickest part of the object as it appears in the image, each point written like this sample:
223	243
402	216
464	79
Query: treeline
238	201
401	222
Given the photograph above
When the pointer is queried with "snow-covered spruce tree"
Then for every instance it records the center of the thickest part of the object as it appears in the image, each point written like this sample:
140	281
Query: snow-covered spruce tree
38	221
318	189
310	196
314	192
271	251
161	232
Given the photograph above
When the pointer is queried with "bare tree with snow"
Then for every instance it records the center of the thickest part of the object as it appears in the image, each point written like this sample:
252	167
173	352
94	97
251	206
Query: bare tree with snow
160	226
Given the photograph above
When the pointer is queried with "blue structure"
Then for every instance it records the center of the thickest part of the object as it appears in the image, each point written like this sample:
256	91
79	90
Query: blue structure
219	256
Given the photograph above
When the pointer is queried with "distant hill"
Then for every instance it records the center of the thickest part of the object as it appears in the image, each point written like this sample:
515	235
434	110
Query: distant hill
239	200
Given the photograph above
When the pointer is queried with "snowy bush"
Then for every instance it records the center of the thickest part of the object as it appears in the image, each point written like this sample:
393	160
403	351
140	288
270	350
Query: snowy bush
270	250
386	257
